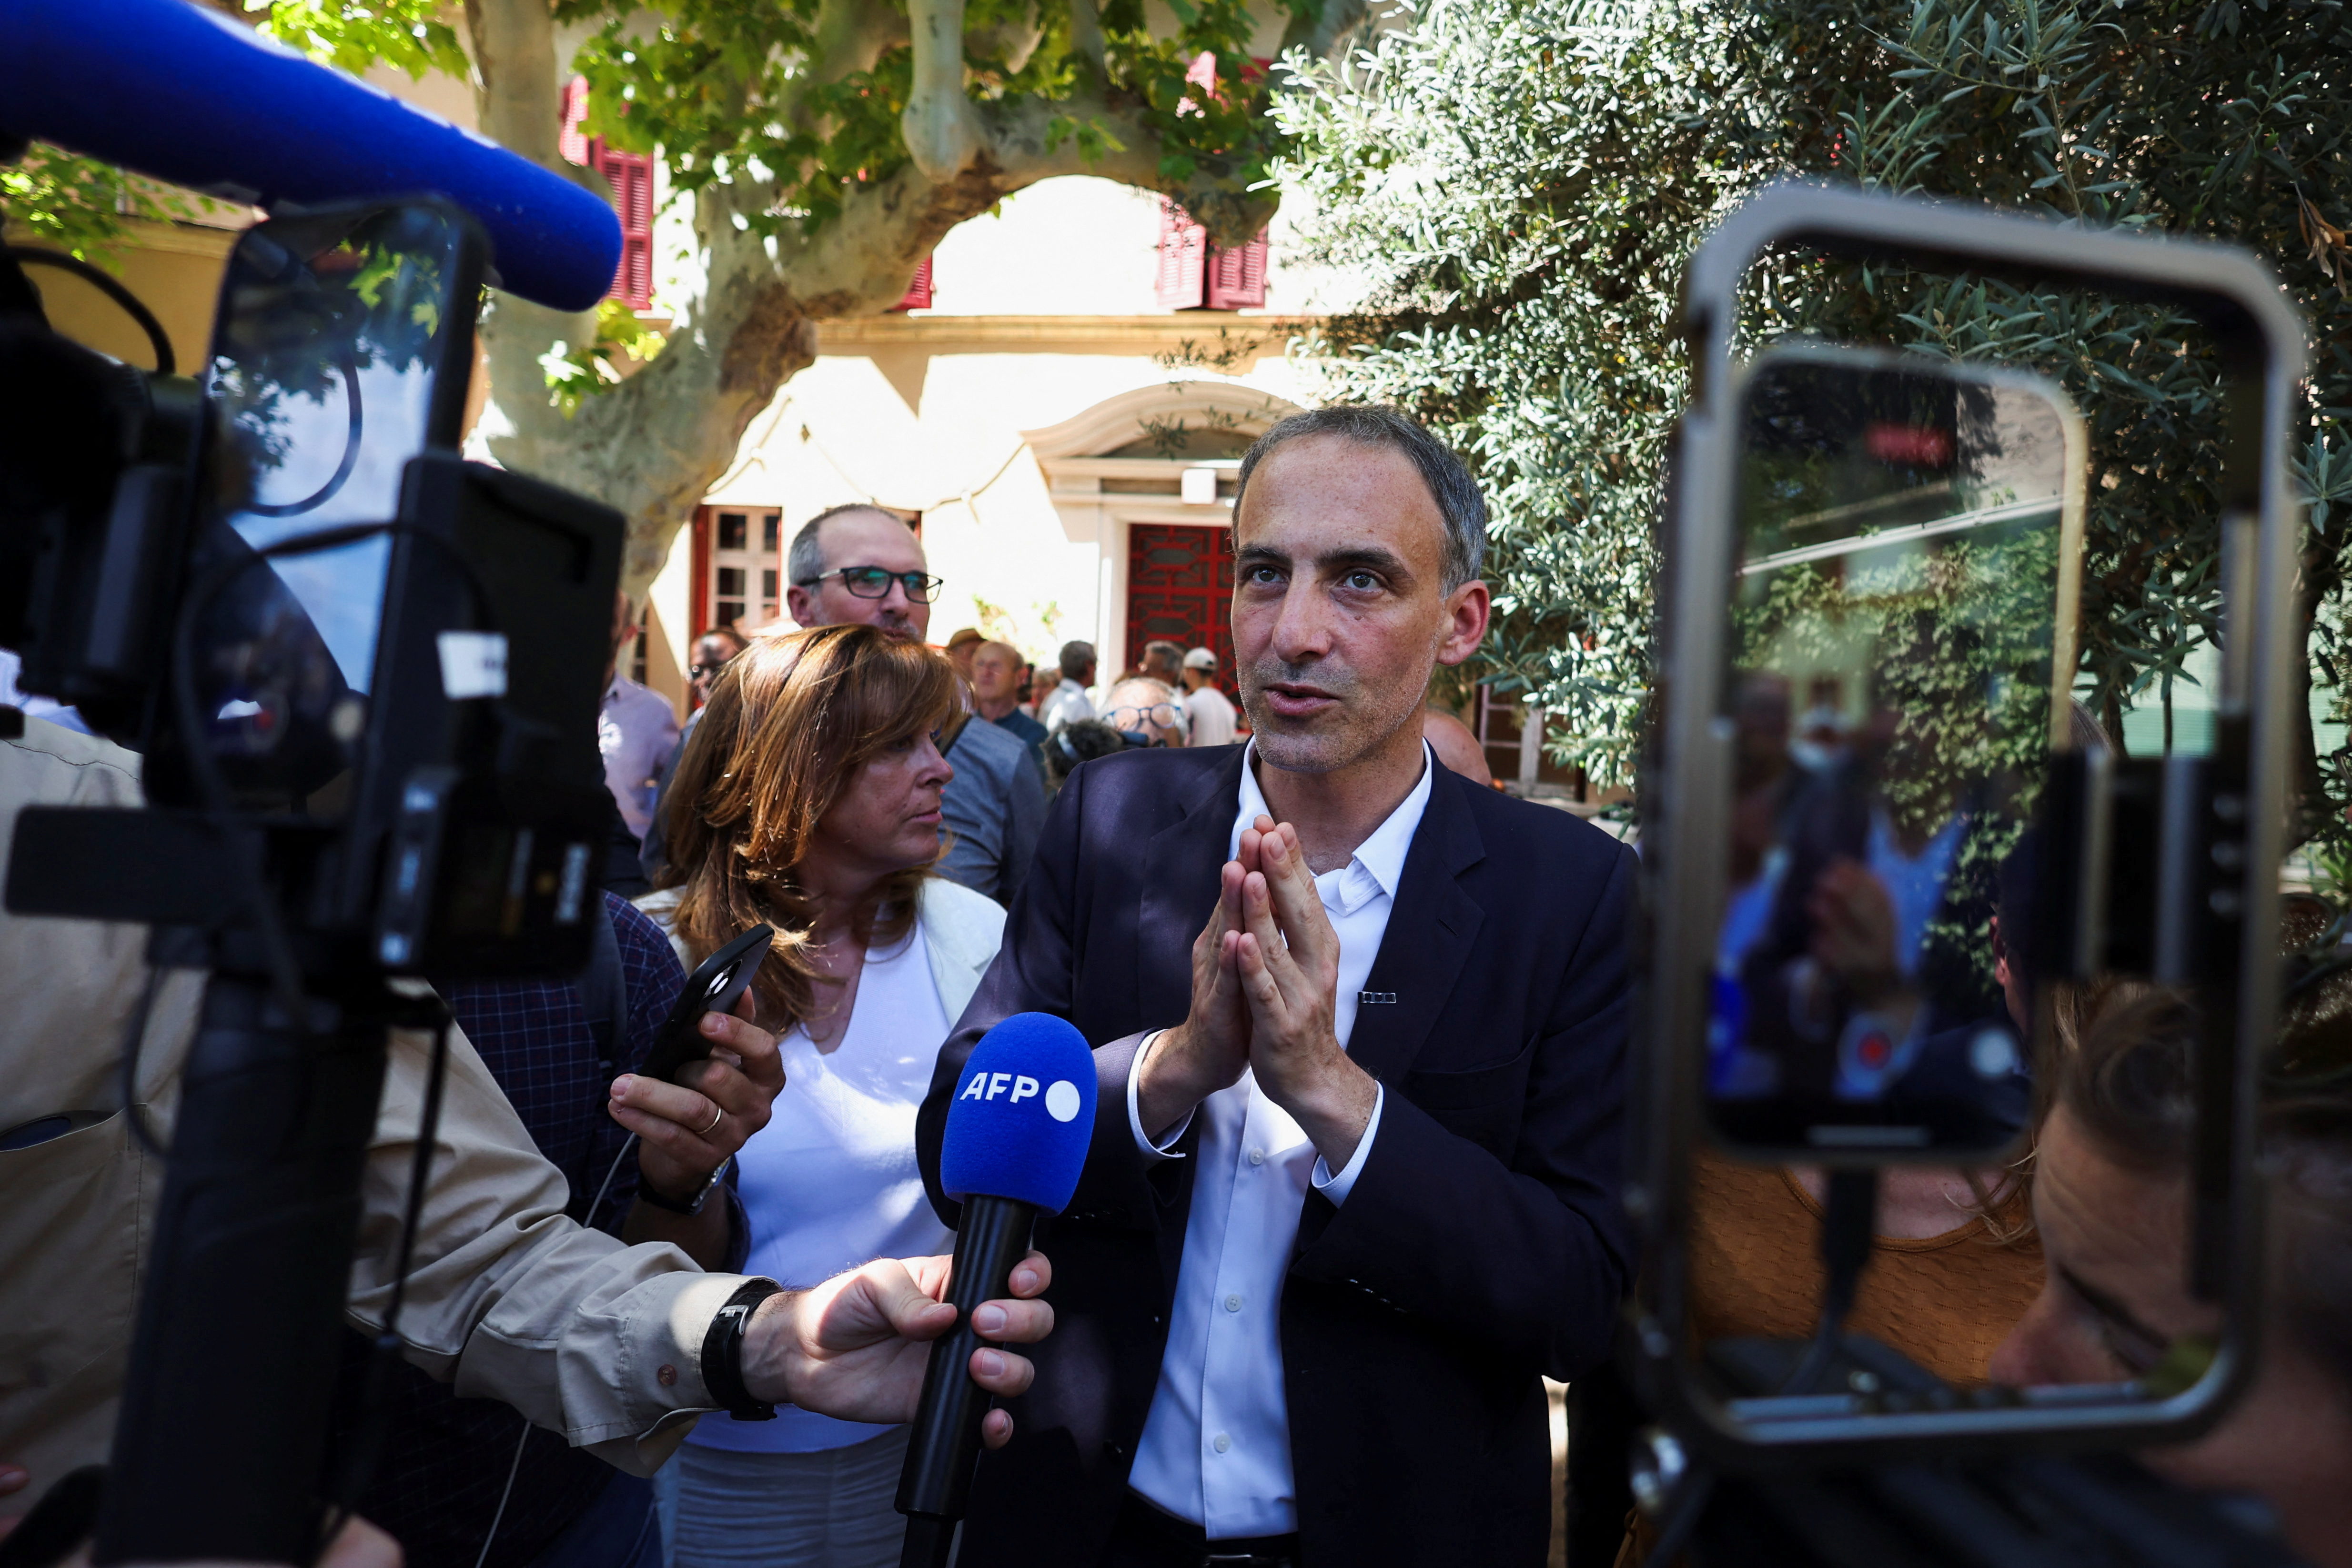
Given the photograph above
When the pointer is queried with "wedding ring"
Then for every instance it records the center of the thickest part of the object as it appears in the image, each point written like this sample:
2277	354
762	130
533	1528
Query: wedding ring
716	1115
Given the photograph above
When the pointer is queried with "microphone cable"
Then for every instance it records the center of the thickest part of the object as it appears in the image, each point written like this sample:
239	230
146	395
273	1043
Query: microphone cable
514	1467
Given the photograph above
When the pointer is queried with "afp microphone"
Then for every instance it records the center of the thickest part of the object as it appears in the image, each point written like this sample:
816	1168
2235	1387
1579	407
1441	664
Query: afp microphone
1016	1139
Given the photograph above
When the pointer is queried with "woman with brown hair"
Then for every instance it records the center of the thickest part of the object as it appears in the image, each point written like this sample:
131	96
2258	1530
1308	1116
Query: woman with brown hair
809	800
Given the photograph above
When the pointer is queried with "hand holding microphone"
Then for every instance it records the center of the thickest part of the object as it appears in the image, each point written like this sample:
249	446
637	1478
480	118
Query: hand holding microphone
1016	1139
857	1346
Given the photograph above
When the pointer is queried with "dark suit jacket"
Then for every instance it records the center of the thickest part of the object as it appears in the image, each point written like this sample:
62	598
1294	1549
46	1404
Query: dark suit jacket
1482	1244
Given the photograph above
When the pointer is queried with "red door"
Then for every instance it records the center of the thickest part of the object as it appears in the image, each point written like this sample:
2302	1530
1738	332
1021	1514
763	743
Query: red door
1180	587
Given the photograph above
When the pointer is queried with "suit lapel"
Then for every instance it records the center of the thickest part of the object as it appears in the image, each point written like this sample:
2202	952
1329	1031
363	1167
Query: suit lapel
1432	925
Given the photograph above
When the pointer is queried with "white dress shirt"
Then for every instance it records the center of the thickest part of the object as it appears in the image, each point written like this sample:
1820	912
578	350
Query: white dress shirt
1217	1445
831	1181
636	729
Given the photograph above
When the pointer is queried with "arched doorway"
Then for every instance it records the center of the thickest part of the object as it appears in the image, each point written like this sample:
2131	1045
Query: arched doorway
1149	477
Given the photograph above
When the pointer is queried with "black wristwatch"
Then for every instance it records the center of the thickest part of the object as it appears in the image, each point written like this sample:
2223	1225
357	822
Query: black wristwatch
722	1353
688	1207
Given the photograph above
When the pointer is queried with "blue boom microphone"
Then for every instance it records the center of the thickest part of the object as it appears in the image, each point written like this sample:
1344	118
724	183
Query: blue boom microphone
1016	1139
177	92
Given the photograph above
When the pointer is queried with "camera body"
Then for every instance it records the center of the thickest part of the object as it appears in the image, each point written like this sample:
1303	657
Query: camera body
321	627
365	676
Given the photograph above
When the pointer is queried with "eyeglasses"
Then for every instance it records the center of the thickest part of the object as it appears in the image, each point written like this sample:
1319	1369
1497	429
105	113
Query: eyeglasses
698	671
1161	714
874	582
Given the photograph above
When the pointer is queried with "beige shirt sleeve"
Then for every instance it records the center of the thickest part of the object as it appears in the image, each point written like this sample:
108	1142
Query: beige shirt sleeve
510	1300
507	1298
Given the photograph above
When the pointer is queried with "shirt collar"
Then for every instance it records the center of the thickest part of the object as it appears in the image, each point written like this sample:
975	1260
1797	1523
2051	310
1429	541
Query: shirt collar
1379	861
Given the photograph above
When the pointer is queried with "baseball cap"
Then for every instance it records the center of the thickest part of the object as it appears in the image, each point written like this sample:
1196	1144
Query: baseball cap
1200	659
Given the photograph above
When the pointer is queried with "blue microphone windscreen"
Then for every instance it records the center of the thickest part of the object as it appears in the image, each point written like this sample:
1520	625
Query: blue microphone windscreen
1023	1116
174	90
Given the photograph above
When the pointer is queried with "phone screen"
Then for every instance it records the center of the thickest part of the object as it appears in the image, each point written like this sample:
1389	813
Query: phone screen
338	335
1901	653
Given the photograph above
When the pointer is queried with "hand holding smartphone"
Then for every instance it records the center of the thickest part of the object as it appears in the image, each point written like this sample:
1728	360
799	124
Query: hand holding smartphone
716	985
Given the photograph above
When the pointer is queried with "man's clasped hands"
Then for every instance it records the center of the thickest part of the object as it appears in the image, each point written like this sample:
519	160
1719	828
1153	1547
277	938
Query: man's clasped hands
1265	973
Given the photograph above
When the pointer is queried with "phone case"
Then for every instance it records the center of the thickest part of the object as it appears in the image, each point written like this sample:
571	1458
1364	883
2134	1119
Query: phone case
716	985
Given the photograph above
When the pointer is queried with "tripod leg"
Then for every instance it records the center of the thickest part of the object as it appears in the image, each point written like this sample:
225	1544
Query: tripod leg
225	1411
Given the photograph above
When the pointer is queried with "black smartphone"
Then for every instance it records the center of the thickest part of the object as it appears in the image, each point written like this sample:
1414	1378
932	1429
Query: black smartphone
716	985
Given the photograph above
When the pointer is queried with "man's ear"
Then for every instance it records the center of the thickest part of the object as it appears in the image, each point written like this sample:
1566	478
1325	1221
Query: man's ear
1467	610
799	603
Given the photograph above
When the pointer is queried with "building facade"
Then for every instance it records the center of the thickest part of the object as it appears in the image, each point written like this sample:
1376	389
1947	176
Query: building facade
1059	408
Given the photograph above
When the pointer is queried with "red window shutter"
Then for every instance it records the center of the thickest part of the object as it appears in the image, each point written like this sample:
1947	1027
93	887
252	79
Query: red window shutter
698	586
1182	281
919	292
571	141
1237	277
631	176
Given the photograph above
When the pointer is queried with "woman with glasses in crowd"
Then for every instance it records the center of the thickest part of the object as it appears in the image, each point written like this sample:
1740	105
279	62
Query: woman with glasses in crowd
809	800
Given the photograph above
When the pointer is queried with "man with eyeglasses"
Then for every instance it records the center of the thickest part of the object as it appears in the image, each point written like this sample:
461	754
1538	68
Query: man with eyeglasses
1145	711
713	652
859	565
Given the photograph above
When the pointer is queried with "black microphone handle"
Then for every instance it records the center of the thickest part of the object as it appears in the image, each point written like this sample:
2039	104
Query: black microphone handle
945	1445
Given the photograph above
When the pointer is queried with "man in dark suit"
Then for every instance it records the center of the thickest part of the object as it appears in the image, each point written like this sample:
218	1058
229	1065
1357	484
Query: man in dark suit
1354	1177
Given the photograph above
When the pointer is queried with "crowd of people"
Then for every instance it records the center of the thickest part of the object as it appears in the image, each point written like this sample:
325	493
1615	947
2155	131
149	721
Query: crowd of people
1361	1024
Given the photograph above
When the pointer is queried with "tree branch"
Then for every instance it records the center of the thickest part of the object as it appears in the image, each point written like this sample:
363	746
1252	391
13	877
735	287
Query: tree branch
651	446
516	96
1086	38
938	122
1023	149
849	36
1322	29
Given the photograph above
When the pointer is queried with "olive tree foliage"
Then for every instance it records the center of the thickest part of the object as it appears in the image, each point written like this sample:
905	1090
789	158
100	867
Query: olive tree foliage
821	149
1523	181
1582	148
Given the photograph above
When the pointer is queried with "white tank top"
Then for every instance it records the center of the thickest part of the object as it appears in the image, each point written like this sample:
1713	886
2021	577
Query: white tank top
831	1181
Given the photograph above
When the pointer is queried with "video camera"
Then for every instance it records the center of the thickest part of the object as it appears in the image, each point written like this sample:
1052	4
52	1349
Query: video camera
363	674
1880	835
358	667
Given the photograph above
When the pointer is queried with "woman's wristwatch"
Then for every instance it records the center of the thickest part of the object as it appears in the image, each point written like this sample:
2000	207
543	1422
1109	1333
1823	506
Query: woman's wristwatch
688	1207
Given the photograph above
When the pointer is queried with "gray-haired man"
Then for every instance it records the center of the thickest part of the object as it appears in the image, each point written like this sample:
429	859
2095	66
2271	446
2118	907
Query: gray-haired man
861	565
